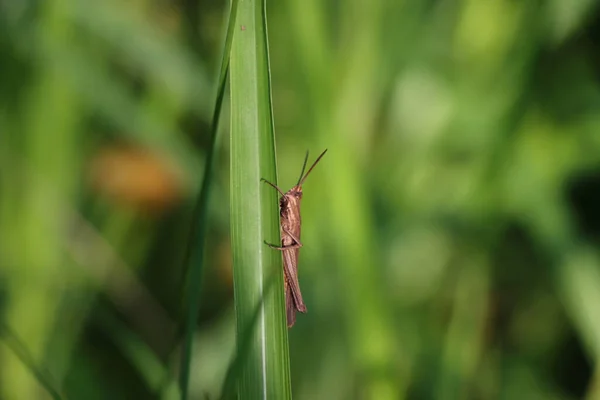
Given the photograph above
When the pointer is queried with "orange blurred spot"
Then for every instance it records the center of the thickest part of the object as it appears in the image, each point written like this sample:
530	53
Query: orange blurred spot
135	177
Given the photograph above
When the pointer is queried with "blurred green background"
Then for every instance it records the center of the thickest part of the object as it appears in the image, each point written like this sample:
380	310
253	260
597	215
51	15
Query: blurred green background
450	234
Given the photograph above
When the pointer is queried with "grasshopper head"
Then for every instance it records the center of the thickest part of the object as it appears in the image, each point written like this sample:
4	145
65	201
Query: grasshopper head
296	192
291	199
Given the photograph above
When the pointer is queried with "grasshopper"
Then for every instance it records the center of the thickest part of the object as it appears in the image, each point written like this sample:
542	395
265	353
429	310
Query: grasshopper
289	211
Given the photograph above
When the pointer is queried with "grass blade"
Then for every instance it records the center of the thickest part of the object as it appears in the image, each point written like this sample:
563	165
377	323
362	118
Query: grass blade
195	250
236	366
17	346
254	211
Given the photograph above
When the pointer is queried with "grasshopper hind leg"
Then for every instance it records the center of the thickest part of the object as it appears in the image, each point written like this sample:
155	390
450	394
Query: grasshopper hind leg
290	307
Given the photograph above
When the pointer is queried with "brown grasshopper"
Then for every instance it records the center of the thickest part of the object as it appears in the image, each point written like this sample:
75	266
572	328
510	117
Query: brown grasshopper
289	211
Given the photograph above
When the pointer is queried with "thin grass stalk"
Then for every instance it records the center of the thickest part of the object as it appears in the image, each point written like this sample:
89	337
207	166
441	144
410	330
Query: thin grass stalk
195	250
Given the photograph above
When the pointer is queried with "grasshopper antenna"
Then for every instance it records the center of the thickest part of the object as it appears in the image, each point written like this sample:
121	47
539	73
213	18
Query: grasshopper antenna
303	167
311	168
272	184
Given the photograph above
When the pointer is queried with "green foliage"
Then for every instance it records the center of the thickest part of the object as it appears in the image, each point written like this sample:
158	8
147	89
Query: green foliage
254	217
450	234
197	242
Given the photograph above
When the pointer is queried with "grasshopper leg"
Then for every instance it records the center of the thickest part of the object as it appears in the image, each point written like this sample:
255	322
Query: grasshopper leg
288	247
296	245
294	238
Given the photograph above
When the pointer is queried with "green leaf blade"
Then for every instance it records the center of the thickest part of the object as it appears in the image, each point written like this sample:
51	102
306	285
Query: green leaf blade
254	211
